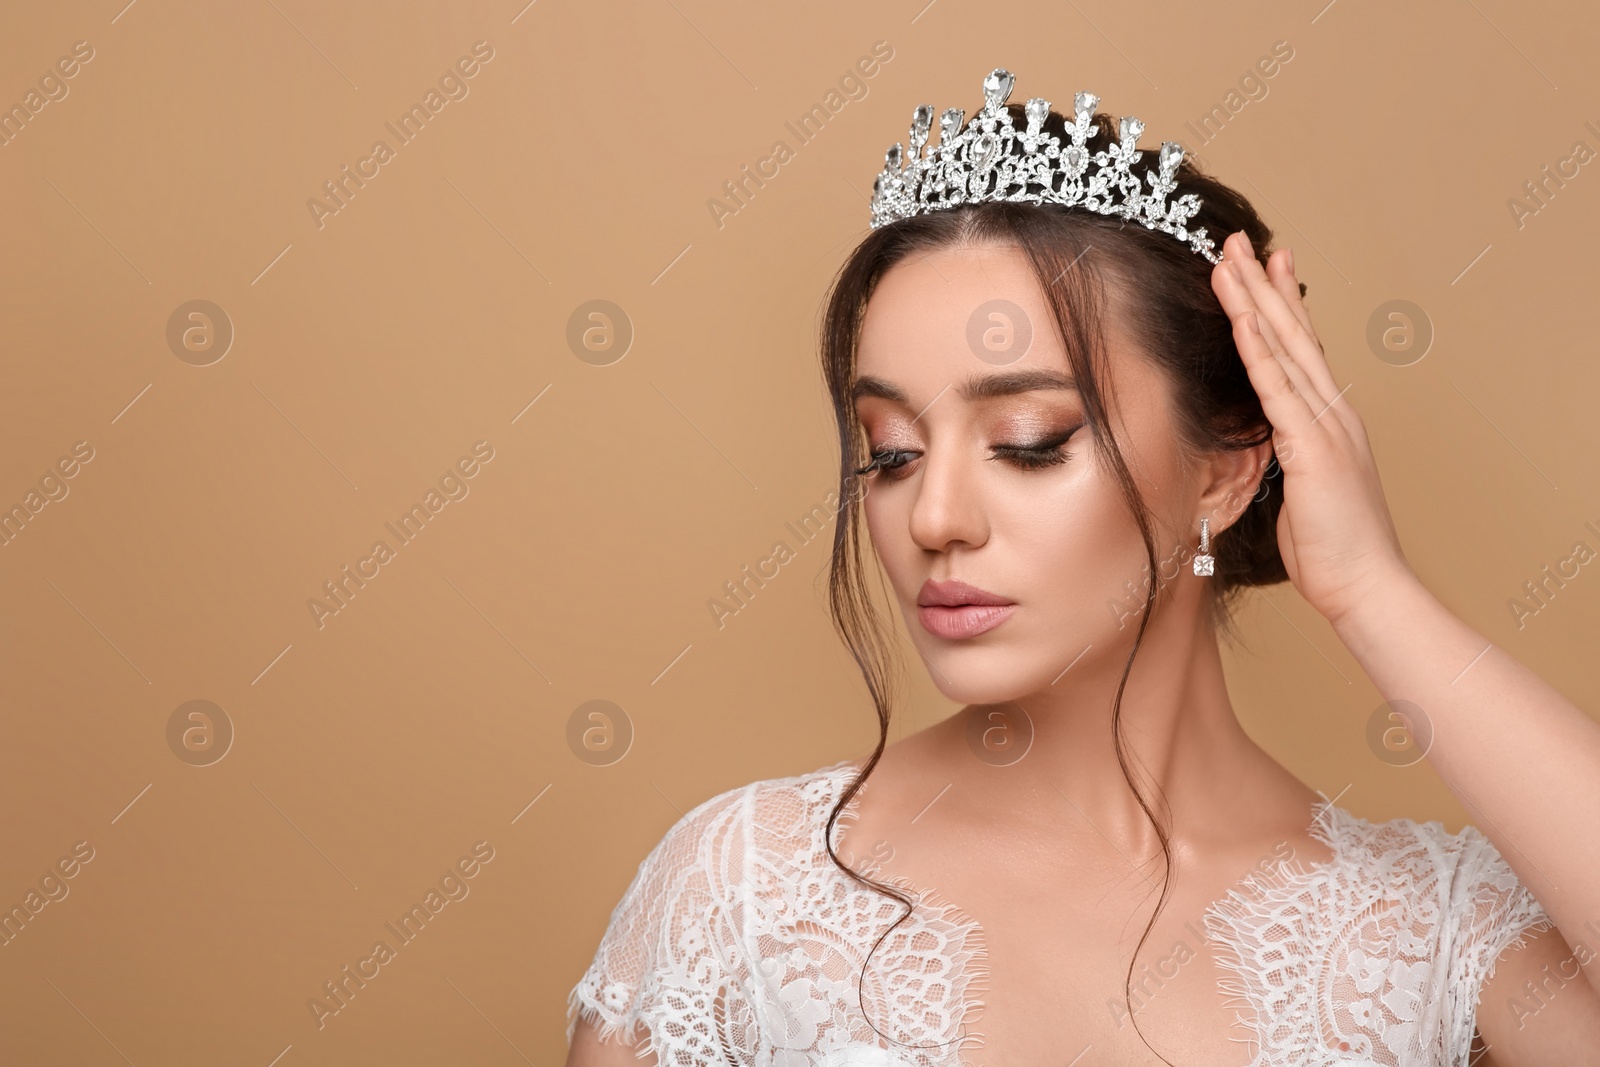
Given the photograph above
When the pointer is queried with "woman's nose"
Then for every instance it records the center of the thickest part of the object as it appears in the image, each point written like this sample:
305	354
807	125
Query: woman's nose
948	509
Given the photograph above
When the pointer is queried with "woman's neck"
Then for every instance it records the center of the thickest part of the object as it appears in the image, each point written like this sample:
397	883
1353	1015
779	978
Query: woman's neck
1181	740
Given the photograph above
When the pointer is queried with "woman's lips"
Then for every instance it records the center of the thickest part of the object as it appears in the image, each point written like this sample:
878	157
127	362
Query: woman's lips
965	620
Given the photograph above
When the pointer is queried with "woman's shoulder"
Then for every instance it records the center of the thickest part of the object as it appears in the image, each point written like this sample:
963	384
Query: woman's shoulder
1396	873
782	816
1410	850
674	926
1456	883
1405	910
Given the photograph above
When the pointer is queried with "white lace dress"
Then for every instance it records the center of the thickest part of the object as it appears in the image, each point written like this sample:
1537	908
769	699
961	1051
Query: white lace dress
739	942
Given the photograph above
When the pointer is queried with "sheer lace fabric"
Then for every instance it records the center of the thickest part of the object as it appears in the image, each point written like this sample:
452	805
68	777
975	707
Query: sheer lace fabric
739	942
1377	956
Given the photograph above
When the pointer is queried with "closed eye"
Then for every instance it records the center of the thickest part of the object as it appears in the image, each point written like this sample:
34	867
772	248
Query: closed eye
888	459
1047	453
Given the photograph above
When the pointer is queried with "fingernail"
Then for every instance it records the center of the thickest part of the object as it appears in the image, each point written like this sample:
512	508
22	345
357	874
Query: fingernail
1289	255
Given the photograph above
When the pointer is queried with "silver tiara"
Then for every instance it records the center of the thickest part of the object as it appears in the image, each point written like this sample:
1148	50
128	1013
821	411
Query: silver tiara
990	160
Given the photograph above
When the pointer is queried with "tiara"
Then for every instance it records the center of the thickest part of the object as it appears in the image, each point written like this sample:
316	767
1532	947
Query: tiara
990	160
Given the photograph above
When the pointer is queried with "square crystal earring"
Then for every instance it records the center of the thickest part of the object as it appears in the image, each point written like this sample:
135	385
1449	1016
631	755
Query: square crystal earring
1204	563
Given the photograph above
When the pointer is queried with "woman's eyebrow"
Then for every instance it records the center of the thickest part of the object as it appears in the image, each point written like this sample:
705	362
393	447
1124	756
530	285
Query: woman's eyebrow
977	387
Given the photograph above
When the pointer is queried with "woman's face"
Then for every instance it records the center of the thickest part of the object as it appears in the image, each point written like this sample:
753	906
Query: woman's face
994	481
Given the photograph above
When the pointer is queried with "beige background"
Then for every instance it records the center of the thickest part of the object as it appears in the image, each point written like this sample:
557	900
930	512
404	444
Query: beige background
431	311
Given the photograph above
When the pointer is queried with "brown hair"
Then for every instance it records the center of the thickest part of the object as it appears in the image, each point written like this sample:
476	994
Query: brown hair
1162	289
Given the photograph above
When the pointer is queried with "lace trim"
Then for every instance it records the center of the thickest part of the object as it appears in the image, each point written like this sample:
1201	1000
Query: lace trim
609	1026
1502	914
974	961
740	941
1376	956
1235	925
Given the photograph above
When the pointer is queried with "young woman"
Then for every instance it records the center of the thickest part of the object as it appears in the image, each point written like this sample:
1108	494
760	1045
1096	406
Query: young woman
1077	435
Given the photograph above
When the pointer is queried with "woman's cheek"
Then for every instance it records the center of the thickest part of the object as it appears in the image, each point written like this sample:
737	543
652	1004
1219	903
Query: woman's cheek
890	535
1081	547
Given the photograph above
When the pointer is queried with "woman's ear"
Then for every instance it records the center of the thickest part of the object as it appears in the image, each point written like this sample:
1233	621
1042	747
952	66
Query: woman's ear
1232	480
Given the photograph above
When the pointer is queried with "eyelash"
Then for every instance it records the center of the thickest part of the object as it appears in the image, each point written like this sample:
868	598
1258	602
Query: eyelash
1047	453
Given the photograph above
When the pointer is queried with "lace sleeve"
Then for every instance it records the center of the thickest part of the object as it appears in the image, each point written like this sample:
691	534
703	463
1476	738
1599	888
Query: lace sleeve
669	949
1491	910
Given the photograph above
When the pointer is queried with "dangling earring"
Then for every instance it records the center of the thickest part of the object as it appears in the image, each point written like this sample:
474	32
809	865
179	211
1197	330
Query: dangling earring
1204	563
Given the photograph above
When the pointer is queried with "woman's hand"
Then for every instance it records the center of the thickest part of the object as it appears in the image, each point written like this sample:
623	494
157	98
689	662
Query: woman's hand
1337	540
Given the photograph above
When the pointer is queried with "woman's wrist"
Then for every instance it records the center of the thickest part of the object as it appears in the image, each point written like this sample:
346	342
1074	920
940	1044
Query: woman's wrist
1395	602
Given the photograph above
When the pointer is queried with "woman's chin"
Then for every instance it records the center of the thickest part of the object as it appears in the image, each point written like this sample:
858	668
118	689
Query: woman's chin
966	673
996	670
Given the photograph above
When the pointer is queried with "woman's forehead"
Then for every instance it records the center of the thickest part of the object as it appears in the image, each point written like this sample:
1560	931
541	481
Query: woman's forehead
959	309
947	317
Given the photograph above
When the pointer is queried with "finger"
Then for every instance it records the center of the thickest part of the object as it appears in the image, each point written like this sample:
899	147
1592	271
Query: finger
1237	299
1278	323
1297	342
1282	403
1280	271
